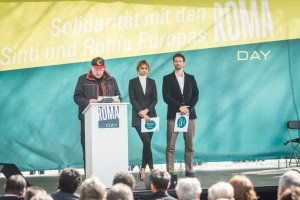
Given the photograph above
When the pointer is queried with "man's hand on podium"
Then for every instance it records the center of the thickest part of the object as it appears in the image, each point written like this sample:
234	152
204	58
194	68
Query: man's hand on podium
93	101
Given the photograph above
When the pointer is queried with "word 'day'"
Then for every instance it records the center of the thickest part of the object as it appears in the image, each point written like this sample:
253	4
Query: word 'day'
108	116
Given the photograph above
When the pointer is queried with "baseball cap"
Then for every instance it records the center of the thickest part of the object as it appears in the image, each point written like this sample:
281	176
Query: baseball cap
98	63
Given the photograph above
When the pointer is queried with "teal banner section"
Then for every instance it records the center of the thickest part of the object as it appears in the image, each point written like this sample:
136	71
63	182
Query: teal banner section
247	95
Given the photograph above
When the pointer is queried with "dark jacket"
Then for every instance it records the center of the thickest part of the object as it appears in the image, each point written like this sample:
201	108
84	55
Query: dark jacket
174	98
162	195
140	101
60	195
11	197
87	88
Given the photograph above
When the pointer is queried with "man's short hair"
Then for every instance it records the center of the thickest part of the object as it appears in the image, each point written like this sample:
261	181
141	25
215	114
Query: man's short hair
292	193
15	184
92	188
290	178
160	179
41	196
125	178
179	55
220	190
287	180
69	180
188	188
32	191
120	191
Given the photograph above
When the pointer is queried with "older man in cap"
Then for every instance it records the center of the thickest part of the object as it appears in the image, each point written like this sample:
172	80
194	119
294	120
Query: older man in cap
97	82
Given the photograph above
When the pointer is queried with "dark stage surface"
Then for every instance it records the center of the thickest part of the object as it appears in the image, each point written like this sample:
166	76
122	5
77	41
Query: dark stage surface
263	174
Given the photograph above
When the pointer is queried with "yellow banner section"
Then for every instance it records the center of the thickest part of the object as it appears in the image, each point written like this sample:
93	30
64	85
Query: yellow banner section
50	33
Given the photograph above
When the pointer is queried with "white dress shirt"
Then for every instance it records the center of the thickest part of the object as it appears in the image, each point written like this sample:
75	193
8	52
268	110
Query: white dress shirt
180	80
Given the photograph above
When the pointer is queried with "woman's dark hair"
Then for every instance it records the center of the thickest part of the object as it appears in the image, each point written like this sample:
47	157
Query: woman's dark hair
142	62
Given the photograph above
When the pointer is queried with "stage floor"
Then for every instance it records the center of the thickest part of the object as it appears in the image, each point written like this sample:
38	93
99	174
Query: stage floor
261	173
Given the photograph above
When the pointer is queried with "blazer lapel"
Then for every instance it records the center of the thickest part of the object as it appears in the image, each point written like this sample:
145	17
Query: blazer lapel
186	82
147	86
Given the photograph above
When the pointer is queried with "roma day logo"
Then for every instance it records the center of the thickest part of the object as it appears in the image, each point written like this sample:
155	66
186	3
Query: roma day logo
108	116
181	122
150	125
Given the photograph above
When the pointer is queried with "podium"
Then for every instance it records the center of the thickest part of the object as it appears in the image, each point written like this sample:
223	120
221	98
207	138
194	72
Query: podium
106	140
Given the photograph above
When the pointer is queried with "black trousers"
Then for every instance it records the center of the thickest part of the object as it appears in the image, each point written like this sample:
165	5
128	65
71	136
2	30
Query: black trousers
82	140
147	152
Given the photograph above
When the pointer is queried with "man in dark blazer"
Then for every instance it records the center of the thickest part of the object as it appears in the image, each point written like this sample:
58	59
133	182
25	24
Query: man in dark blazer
180	92
159	184
14	188
68	183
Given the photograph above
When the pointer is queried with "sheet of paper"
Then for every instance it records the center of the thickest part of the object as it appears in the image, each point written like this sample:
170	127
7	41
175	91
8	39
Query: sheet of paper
107	98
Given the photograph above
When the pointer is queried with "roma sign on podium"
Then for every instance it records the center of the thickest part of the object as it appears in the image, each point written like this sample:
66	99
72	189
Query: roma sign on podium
106	140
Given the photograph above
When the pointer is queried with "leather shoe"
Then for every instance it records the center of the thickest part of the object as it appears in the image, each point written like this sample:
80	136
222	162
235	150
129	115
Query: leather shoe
189	174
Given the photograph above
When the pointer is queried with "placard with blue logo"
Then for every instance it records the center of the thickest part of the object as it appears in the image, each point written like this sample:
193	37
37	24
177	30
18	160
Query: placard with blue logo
181	122
150	126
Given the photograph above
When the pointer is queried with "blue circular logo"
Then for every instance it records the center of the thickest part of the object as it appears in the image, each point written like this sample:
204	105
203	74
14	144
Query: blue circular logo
181	122
150	125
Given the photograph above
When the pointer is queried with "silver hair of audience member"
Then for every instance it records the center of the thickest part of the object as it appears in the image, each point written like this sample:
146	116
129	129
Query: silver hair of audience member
124	177
41	196
188	189
288	179
16	185
120	191
34	191
92	188
221	190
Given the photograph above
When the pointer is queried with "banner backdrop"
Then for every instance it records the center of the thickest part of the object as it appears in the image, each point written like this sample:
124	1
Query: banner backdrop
243	54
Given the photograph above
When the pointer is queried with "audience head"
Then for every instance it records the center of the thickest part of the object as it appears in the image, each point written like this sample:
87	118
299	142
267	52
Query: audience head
120	191
33	191
16	185
125	178
92	188
243	188
41	196
188	189
69	180
292	193
221	190
287	180
159	180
